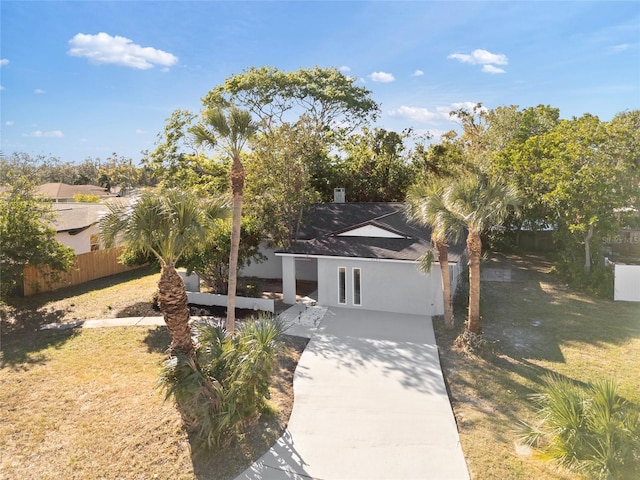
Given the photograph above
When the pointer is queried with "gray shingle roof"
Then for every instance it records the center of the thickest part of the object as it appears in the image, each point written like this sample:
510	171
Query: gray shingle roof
324	225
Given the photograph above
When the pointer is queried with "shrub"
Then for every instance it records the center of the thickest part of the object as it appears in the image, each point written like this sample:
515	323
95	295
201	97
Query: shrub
224	387
591	431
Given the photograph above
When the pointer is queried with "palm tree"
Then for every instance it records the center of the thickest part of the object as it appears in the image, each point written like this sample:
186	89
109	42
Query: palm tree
165	225
232	130
426	206
479	202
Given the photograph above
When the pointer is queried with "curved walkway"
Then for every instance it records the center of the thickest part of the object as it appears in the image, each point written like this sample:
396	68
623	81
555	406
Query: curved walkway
370	403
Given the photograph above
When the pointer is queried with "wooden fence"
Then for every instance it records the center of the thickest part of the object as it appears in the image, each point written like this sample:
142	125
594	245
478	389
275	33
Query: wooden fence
88	266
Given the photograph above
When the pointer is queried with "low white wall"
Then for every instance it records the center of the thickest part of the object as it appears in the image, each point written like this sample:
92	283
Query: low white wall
211	299
627	283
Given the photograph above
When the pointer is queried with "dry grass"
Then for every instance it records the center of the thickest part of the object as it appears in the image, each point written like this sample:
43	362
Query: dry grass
82	404
533	326
125	295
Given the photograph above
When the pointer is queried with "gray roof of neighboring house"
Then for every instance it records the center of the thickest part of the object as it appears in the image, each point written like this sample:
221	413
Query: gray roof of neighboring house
77	216
324	226
63	190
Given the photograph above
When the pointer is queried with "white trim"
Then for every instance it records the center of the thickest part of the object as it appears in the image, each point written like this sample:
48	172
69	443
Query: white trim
344	270
353	285
363	259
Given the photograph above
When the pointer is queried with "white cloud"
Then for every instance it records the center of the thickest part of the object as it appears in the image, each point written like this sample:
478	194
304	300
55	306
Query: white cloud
4	61
418	73
424	115
345	69
481	57
484	58
9	123
382	77
1	88
491	69
105	49
39	91
52	133
417	114
139	131
620	48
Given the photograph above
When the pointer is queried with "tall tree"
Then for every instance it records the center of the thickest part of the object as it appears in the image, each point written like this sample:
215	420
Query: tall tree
26	234
580	175
375	166
479	201
166	224
279	180
427	206
231	130
328	99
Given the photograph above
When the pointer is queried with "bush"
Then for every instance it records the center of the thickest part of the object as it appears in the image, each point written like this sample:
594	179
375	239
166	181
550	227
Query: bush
599	282
225	386
591	431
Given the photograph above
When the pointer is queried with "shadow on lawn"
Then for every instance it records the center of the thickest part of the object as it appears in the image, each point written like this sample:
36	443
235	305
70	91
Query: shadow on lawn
31	312
24	349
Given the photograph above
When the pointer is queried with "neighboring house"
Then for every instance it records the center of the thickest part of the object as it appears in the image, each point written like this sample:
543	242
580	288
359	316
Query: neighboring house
61	192
363	255
77	225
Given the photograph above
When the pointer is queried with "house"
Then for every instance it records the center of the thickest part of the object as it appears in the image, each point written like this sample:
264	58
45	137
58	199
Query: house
62	192
76	225
363	255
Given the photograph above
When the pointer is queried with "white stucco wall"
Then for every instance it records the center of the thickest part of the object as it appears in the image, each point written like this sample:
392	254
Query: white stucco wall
386	286
81	242
306	268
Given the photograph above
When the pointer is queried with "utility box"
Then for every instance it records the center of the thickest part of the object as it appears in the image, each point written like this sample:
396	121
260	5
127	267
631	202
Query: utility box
338	195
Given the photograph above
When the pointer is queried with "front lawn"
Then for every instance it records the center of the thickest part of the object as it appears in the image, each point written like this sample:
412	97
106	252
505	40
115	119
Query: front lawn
533	325
82	404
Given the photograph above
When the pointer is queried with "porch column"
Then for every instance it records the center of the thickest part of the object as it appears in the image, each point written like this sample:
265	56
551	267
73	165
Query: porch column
289	280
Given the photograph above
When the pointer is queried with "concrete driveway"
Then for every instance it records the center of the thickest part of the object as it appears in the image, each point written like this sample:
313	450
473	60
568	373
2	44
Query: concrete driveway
370	403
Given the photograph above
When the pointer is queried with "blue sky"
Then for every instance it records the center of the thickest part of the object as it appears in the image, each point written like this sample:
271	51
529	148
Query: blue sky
86	79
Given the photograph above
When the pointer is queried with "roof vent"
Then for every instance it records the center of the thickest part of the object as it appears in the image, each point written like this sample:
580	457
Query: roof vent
338	195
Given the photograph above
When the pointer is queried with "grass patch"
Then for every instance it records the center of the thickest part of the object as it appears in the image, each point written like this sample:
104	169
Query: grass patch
82	404
88	408
533	326
127	294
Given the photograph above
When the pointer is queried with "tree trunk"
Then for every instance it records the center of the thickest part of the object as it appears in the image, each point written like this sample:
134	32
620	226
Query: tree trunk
172	299
587	250
474	246
443	259
237	187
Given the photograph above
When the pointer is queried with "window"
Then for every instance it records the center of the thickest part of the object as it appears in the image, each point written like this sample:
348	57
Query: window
357	300
342	285
95	242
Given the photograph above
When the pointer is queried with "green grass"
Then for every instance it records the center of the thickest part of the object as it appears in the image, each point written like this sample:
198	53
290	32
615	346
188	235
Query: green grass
533	326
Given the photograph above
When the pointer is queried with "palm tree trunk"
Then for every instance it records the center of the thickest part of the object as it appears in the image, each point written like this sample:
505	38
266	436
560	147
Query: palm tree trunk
443	259
172	299
474	246
237	187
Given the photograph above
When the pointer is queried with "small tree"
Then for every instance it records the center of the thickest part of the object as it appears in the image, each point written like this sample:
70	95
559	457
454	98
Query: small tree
590	431
26	235
479	202
167	225
427	206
